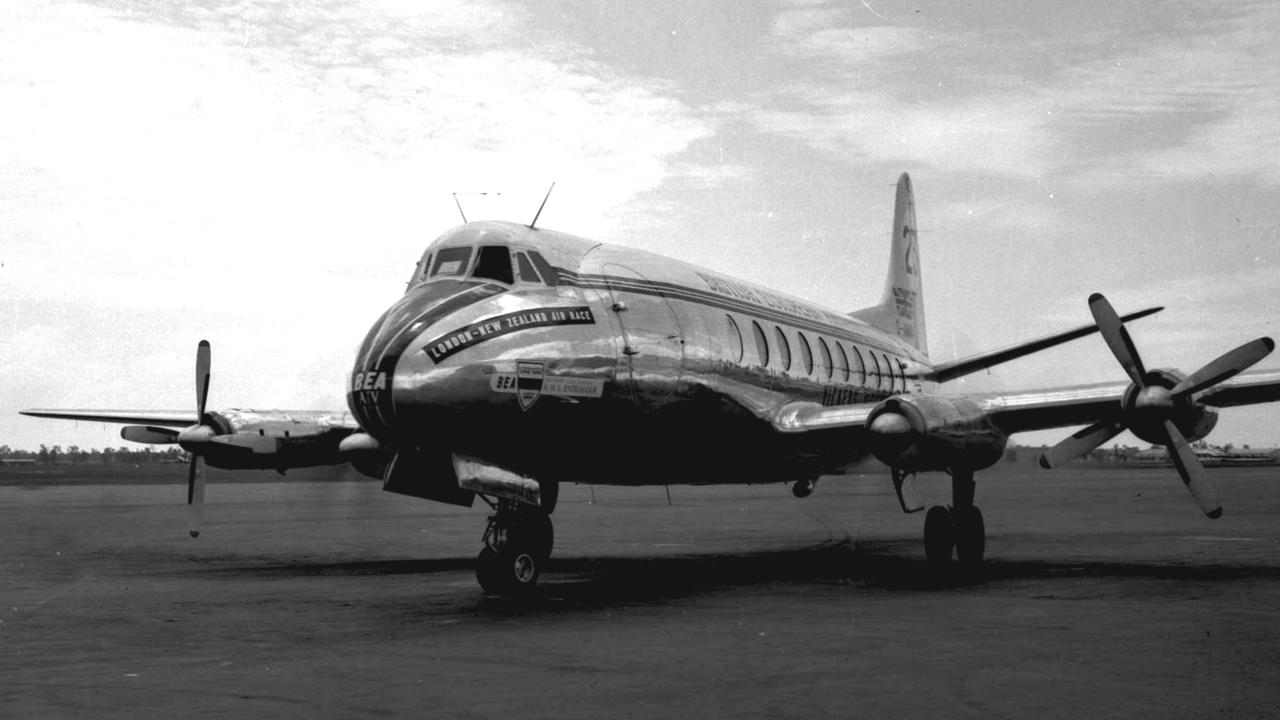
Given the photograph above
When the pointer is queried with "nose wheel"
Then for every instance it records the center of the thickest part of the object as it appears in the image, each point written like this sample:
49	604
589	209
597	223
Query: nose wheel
517	543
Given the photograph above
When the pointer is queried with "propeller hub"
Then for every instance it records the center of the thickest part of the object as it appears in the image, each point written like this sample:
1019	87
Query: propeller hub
1154	398
890	424
196	437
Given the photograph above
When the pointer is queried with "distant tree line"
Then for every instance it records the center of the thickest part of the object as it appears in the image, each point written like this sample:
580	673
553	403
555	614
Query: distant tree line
74	455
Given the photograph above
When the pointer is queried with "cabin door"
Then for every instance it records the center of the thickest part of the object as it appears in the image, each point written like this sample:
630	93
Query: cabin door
653	344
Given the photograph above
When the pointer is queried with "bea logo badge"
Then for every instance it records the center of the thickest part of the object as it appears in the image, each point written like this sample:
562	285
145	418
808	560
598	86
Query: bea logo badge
529	383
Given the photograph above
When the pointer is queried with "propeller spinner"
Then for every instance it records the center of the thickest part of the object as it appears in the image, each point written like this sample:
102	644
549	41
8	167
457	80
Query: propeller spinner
1149	407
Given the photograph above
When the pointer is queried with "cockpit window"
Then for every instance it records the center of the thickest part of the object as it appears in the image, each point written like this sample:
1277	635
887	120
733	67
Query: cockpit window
494	263
527	273
452	261
548	273
421	269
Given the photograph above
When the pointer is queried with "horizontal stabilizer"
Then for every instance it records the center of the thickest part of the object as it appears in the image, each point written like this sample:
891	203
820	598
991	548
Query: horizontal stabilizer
959	368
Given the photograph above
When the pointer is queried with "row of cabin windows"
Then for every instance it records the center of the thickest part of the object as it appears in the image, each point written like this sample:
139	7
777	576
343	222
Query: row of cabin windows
835	364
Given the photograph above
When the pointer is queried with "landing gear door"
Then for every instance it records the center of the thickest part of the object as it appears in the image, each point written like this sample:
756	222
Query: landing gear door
653	344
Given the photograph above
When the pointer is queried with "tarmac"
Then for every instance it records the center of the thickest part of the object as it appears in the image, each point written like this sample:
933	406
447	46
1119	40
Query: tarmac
1105	595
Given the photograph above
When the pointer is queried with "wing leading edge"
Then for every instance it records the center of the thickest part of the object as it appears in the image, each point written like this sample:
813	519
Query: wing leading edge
1034	409
162	418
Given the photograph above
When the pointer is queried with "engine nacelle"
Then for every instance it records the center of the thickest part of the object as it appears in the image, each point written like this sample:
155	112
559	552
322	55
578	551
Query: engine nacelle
930	432
1145	412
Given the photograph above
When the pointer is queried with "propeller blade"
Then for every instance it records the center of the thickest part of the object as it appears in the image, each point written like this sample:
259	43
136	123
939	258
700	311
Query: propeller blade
195	496
203	361
1192	472
149	434
1084	441
1117	337
1229	364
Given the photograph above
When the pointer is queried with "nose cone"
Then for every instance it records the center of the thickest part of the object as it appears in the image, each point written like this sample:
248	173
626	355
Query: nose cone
371	395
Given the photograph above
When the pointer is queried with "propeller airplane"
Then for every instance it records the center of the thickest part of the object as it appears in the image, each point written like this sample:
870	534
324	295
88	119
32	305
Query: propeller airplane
521	358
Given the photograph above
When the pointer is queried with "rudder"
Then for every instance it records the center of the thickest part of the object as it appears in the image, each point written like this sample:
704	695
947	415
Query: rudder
901	307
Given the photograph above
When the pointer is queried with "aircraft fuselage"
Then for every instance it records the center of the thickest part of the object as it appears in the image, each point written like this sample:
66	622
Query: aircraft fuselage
611	365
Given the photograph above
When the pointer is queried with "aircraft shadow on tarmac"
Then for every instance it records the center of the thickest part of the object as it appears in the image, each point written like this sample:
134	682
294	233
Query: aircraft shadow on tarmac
888	565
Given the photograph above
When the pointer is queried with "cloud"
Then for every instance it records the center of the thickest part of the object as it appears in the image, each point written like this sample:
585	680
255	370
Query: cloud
1002	136
1179	102
266	142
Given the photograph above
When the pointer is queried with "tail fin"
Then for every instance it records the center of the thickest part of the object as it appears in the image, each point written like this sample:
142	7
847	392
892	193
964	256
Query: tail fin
901	308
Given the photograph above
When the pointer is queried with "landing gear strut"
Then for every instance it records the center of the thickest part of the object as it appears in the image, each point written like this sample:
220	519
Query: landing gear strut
958	528
517	543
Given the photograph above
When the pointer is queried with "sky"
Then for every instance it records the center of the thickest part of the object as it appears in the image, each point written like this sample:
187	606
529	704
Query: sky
265	175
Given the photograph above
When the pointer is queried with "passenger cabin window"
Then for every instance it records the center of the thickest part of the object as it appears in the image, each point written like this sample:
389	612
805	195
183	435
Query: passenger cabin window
806	354
876	378
842	363
859	370
890	377
825	353
784	349
494	263
526	271
762	344
451	262
735	340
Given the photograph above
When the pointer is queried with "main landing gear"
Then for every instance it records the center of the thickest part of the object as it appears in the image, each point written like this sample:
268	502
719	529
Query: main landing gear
517	543
958	528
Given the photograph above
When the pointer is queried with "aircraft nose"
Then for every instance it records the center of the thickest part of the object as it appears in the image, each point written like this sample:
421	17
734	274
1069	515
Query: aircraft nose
371	394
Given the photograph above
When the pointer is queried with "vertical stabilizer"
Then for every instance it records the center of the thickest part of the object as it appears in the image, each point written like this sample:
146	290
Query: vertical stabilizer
901	308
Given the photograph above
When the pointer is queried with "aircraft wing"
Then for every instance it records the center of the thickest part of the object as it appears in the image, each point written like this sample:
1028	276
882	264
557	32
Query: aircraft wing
1245	389
180	418
162	418
1013	412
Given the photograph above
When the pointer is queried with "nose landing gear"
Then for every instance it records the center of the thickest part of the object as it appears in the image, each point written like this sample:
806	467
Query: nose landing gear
517	543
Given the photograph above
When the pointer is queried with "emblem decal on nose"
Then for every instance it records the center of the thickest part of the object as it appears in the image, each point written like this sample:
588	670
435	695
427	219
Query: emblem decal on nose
458	340
529	382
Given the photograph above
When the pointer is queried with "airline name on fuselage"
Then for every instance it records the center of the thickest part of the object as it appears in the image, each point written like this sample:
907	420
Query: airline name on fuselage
369	381
741	291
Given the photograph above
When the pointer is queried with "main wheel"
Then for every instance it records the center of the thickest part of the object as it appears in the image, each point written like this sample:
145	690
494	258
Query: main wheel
971	535
511	571
939	535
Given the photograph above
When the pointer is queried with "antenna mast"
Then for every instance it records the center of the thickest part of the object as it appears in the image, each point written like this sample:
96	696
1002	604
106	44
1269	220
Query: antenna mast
544	204
459	204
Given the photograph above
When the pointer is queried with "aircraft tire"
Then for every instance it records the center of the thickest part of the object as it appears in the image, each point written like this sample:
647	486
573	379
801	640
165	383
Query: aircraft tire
971	535
488	574
511	571
939	535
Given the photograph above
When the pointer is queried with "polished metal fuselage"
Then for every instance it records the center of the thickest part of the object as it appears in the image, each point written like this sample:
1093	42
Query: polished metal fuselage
631	368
